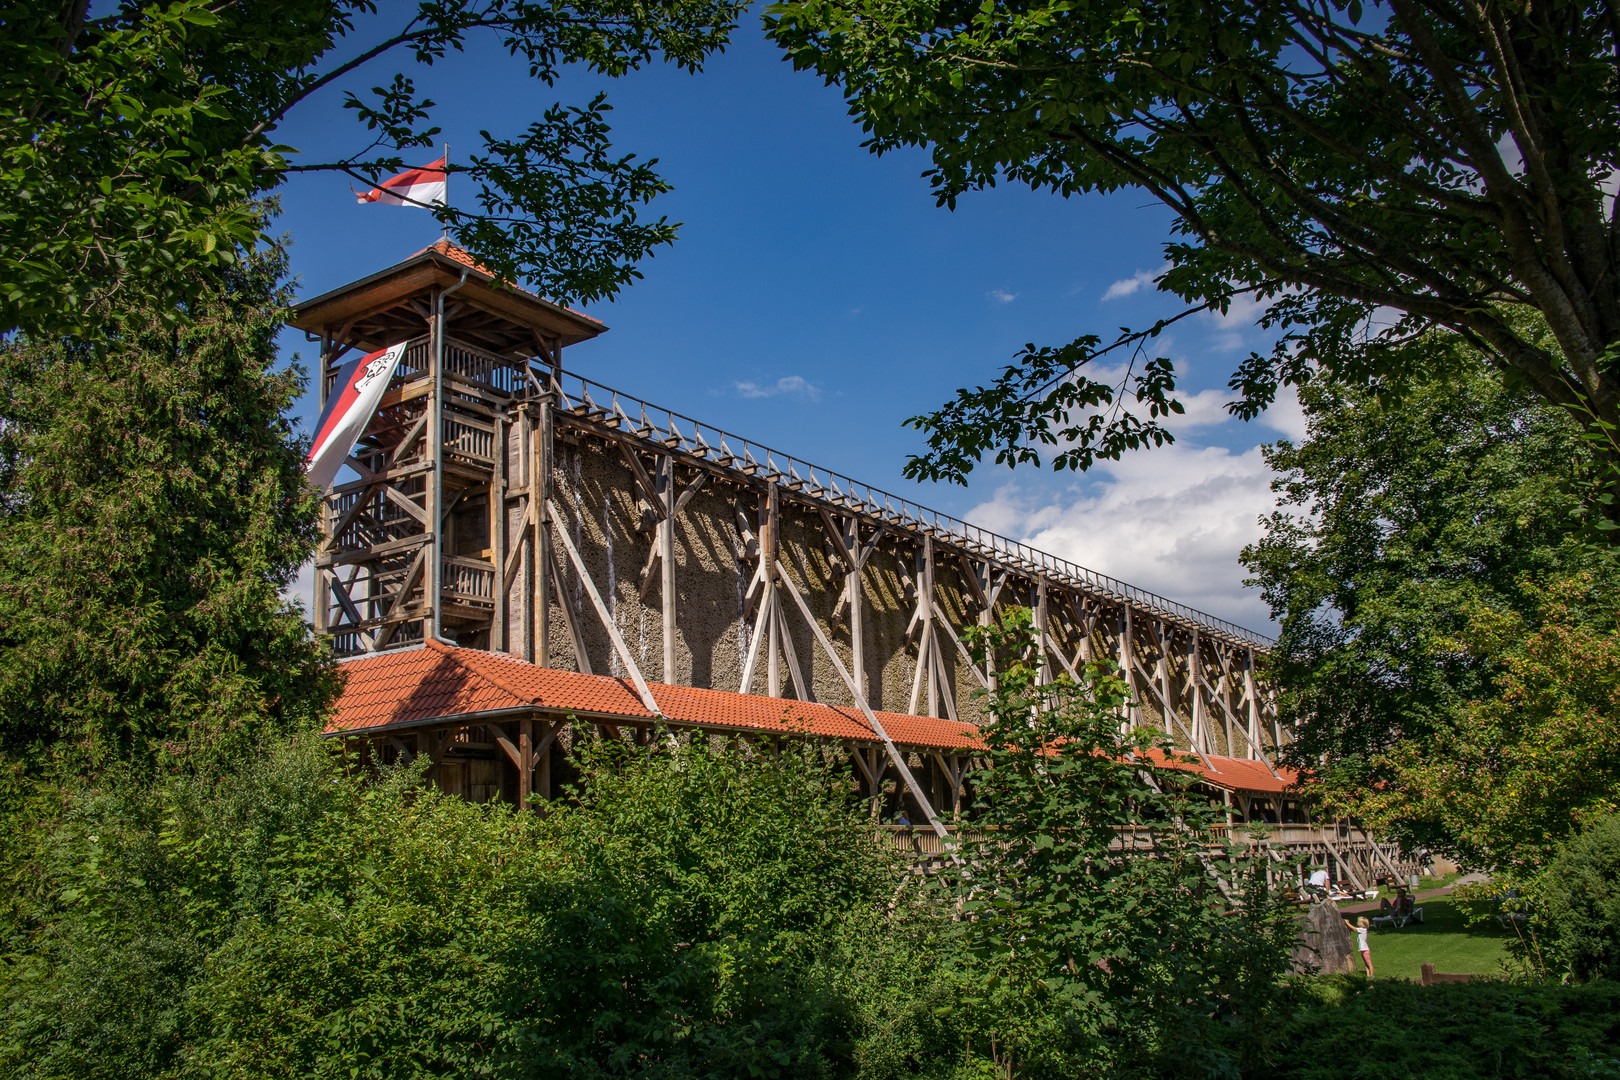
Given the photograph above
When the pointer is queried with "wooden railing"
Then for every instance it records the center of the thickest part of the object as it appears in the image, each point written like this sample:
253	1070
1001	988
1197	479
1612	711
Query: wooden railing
596	403
1301	839
468	581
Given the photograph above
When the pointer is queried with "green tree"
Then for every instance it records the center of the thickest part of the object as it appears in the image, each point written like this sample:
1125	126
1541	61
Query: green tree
691	911
713	915
1578	912
1517	771
152	507
1447	163
1114	931
134	143
1445	645
274	918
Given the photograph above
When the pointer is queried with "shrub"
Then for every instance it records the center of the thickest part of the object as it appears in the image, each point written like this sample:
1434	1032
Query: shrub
1344	1027
1579	914
689	912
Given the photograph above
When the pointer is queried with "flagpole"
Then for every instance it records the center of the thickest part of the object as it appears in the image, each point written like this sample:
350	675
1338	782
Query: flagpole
446	233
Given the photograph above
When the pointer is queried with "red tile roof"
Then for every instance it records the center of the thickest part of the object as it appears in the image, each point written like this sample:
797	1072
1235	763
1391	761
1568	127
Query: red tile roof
440	682
467	258
1233	774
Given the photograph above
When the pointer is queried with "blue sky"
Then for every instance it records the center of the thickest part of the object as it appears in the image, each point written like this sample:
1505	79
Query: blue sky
816	298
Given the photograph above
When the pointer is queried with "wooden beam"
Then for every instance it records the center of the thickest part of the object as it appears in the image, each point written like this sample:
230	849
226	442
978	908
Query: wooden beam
691	489
649	490
801	685
602	614
666	545
755	638
540	448
857	753
866	710
582	657
347	604
504	743
405	503
406	754
950	632
497	538
514	557
525	762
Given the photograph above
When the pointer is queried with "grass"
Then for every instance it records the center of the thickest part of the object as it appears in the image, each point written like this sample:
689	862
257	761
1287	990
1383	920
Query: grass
1425	884
1443	939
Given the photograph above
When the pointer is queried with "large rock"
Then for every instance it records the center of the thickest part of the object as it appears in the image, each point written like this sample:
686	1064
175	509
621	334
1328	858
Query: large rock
1325	944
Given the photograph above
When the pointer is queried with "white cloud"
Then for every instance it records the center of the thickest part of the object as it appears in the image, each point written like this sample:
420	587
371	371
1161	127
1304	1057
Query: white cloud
1171	520
1232	326
1286	415
1133	284
1001	296
796	385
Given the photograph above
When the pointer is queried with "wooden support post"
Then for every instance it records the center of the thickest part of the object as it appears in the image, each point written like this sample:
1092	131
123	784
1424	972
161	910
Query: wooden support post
1126	668
543	764
857	605
895	756
756	639
603	615
769	543
1042	634
666	544
1162	636
525	761
926	606
497	536
1251	692
528	565
1195	693
540	502
801	686
433	575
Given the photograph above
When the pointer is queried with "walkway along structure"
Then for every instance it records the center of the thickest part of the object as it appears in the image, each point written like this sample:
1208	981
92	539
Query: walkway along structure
552	546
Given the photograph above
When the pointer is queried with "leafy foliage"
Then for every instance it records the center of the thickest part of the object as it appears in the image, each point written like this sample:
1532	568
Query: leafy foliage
691	913
1349	1027
697	893
1111	928
1327	161
135	142
1518	772
279	920
1441	655
152	507
1577	913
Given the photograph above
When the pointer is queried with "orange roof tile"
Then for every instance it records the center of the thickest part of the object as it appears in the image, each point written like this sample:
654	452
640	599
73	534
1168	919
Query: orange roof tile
440	682
1233	774
467	258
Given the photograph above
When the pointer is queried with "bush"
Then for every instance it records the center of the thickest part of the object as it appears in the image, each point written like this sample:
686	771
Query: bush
1080	961
689	913
1345	1027
1579	914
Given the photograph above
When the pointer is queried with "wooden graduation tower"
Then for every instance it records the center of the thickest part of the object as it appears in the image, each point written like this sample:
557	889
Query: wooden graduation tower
429	538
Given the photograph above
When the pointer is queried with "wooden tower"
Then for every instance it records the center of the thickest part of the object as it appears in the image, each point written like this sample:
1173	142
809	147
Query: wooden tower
427	540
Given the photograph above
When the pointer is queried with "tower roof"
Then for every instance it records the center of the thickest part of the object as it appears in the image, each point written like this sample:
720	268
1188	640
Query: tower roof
378	309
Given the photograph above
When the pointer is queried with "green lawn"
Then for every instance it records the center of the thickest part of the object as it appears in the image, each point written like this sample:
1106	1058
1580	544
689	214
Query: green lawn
1425	884
1444	939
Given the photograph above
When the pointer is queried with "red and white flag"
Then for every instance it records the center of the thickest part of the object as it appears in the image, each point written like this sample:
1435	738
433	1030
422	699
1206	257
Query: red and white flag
355	393
413	187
